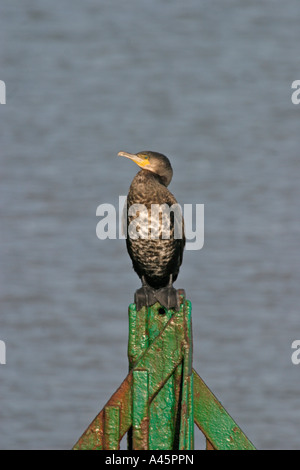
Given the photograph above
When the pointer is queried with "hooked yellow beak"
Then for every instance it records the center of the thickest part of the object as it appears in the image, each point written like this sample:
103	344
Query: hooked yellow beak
140	159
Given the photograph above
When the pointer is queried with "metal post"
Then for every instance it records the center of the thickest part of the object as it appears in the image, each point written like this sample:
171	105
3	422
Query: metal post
162	396
170	410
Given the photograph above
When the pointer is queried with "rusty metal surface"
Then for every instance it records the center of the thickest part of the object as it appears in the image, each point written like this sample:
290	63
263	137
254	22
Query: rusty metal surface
93	437
219	428
162	396
111	427
159	340
158	343
140	410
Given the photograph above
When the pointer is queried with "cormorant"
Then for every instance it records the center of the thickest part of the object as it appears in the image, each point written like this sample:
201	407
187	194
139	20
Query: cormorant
155	238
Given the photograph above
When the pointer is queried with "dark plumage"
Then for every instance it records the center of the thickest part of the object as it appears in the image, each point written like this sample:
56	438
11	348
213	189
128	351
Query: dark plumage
156	260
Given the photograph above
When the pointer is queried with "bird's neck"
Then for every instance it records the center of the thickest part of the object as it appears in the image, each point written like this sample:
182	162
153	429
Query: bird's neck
148	175
145	188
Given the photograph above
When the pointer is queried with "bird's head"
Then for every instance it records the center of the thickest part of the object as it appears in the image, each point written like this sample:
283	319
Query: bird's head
152	161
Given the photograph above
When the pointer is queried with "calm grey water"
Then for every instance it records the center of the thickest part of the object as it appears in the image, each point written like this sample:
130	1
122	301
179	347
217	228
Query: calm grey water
208	84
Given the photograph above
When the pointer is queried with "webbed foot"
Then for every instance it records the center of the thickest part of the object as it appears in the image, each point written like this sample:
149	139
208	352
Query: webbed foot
167	296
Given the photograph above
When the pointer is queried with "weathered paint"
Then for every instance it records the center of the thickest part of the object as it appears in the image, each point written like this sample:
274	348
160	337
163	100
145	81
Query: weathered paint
93	437
140	410
162	396
170	334
220	429
111	427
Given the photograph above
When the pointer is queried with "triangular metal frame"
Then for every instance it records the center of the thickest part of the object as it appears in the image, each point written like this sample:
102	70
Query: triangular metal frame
162	396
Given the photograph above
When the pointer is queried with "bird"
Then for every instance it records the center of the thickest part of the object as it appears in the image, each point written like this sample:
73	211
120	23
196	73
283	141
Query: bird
155	230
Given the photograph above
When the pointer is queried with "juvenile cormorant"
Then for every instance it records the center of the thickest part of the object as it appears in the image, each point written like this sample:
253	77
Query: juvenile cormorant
155	238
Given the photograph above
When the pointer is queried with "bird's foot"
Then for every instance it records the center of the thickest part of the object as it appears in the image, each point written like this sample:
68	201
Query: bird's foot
167	297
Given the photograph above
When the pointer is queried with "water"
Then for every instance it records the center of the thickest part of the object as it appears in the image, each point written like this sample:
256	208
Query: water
206	83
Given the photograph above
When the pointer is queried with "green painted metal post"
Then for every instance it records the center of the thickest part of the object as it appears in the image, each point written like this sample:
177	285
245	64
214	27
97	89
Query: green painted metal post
162	396
140	410
220	430
170	410
111	427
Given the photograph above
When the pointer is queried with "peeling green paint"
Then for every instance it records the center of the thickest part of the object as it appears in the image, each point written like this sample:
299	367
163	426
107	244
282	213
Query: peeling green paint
162	396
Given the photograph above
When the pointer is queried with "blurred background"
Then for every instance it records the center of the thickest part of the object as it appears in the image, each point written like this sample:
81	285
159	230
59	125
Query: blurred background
209	85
